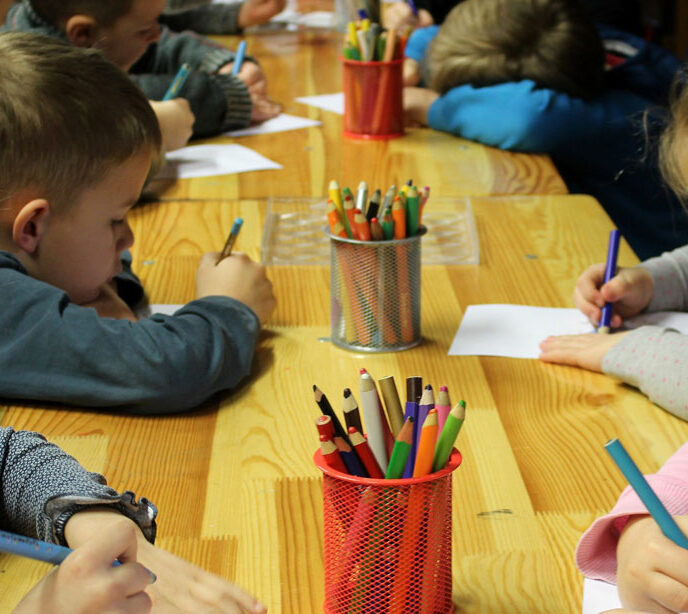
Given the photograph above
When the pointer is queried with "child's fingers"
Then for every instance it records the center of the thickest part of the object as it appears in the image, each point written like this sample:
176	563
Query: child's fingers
225	596
139	603
588	284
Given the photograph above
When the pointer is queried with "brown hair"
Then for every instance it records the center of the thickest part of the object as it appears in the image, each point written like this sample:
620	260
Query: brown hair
552	42
105	12
673	144
67	115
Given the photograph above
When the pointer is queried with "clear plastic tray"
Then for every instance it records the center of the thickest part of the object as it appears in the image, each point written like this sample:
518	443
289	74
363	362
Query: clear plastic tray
294	232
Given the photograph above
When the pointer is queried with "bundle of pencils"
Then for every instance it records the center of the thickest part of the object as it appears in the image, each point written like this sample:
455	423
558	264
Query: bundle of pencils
397	215
396	445
367	41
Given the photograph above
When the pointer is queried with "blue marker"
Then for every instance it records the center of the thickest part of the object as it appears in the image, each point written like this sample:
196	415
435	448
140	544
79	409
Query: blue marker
609	272
233	234
650	500
178	82
239	58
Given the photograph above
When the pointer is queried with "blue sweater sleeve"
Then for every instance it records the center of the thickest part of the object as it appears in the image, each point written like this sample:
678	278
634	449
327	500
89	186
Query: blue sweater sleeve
54	350
520	116
419	41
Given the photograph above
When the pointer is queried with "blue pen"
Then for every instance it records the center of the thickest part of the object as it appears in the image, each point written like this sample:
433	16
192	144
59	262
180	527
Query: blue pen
178	82
233	234
650	500
609	272
239	58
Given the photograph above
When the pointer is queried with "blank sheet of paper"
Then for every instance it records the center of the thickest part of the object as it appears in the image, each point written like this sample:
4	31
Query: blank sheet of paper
515	331
599	596
209	160
281	123
328	102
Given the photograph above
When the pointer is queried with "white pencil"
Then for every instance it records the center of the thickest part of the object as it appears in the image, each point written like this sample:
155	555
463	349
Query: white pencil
372	418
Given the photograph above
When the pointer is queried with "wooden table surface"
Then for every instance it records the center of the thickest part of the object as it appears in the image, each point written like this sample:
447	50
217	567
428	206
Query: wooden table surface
234	480
313	156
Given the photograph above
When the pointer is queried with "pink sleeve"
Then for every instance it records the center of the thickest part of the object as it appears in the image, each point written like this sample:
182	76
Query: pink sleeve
596	551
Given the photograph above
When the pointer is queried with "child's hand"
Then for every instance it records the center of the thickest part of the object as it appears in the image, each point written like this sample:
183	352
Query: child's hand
108	304
652	572
411	72
399	16
176	122
263	108
585	351
239	278
417	101
253	12
630	290
250	73
86	581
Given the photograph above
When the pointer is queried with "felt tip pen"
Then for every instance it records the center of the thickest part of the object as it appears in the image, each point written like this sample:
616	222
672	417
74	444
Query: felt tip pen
609	272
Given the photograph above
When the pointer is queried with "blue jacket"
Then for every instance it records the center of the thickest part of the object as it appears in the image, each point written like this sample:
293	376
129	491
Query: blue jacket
599	146
54	350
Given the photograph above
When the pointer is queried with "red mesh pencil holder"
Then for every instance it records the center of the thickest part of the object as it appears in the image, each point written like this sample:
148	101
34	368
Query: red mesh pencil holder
387	543
373	106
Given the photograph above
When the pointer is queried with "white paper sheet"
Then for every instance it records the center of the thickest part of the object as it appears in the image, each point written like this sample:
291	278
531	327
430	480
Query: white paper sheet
599	596
515	331
281	123
209	160
328	102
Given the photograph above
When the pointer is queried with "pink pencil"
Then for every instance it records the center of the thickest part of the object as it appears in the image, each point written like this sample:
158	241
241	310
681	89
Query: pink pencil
443	407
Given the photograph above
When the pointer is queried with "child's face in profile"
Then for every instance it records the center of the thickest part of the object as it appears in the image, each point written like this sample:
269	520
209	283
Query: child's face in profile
80	248
125	41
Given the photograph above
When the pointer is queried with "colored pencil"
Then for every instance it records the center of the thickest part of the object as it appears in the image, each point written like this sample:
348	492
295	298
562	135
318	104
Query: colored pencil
362	197
372	417
414	388
331	455
362	227
426	446
178	82
426	403
239	58
650	500
376	233
364	453
324	425
390	396
443	407
350	457
231	239
411	411
350	213
446	439
399	217
609	272
352	416
326	409
401	451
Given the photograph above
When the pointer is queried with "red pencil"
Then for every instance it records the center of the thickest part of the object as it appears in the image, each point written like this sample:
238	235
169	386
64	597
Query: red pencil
365	454
325	426
331	455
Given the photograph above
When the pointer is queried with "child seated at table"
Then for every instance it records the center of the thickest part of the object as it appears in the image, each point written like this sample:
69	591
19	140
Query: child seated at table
46	494
207	18
76	142
628	548
128	34
527	75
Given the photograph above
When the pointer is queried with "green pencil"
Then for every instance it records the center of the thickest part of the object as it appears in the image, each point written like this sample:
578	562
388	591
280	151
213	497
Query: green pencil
400	451
445	442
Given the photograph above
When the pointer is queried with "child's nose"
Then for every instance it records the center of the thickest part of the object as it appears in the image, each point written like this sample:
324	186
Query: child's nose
127	238
155	34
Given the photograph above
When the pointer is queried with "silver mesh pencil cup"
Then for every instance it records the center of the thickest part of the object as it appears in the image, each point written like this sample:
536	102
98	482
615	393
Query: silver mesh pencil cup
375	293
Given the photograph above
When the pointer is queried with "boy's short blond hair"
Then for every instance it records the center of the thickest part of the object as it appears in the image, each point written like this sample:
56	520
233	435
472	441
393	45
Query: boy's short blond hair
67	115
105	12
552	42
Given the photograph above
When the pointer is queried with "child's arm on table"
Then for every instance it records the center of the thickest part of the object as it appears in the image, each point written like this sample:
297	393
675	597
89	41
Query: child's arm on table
627	547
222	18
176	122
417	102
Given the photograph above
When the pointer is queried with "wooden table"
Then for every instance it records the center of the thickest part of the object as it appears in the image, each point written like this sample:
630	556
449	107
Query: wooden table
306	64
235	483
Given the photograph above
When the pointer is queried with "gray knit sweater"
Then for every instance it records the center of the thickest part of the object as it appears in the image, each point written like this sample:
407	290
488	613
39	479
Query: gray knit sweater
652	358
202	16
42	487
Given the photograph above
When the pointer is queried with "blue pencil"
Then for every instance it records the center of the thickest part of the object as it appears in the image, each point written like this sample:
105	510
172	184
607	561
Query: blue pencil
231	239
650	500
413	7
609	272
239	58
34	548
178	82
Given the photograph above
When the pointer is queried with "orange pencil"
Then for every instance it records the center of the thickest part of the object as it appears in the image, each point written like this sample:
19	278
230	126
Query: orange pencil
332	215
362	228
390	45
399	217
426	446
331	455
350	212
365	454
338	230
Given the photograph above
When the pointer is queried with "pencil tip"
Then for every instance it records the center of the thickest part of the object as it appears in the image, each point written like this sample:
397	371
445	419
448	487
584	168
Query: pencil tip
347	393
444	389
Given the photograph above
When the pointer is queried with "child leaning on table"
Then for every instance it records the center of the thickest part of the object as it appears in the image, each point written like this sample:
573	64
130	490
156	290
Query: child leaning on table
207	18
128	33
76	142
533	76
46	494
651	358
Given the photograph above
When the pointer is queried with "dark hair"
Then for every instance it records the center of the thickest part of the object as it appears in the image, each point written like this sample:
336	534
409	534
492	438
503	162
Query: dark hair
105	12
66	116
552	42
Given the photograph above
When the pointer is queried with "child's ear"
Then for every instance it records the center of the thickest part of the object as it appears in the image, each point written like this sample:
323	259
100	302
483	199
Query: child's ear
29	224
81	30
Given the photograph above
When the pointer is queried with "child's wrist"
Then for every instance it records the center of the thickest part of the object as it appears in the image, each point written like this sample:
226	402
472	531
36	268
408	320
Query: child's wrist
88	523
